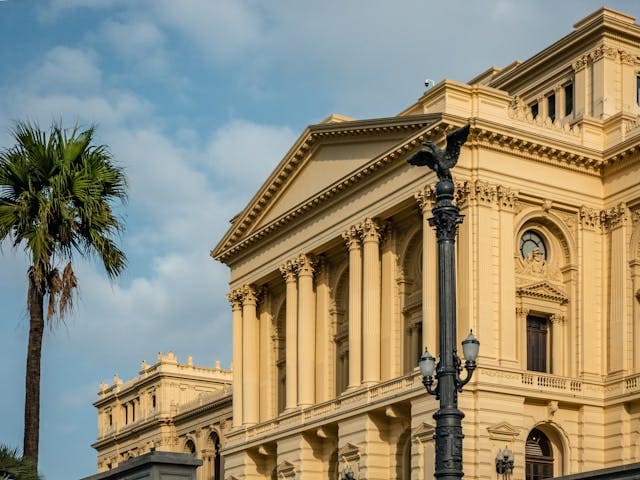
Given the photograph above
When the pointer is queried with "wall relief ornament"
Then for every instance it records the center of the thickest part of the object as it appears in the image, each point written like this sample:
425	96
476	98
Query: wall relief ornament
615	217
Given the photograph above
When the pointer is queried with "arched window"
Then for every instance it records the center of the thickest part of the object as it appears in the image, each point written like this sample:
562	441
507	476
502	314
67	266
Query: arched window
213	457
410	286
538	456
189	447
403	457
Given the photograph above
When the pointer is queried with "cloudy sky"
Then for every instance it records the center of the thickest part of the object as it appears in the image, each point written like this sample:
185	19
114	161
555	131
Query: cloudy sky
198	101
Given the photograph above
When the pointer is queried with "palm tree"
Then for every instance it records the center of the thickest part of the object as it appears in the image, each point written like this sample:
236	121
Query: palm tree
56	191
13	466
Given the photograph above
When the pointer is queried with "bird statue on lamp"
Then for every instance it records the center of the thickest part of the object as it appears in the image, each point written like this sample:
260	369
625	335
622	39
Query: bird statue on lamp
441	160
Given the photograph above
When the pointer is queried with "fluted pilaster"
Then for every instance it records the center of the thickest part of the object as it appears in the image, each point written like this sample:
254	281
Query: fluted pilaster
426	201
352	239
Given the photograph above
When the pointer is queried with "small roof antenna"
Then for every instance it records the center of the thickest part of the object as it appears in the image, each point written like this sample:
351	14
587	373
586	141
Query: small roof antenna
428	83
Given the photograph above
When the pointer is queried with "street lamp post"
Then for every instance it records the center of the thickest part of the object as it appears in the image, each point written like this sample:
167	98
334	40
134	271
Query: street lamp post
445	220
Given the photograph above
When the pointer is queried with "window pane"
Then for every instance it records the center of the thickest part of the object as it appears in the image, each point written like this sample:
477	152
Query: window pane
568	99
534	109
551	106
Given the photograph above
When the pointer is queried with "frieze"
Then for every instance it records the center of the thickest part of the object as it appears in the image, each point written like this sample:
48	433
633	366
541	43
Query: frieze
519	110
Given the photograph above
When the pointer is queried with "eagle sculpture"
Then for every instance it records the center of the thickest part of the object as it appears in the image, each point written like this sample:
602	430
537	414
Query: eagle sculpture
439	160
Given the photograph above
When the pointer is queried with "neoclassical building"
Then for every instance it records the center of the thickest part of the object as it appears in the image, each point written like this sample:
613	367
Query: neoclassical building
333	277
169	407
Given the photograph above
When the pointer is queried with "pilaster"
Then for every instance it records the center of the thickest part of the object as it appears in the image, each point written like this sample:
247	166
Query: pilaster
267	359
323	336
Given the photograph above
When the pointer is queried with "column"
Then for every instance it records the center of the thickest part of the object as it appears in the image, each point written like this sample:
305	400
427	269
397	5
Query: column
371	234
390	366
352	239
425	199
235	297
289	271
250	365
306	331
323	335
267	361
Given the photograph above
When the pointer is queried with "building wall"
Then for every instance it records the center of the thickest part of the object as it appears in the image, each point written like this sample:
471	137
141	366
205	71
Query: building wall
191	414
333	270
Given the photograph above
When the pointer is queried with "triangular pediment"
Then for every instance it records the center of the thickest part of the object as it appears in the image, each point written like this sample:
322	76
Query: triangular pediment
349	451
325	160
543	290
424	432
503	431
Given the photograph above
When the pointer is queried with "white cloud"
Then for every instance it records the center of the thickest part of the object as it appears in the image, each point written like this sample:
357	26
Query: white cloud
245	153
66	68
223	29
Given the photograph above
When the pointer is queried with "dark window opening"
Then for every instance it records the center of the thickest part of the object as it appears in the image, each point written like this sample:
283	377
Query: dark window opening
534	110
537	343
538	456
551	106
126	414
638	89
110	420
568	99
153	401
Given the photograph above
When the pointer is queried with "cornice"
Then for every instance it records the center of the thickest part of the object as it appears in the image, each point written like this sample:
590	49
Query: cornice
483	133
420	123
522	143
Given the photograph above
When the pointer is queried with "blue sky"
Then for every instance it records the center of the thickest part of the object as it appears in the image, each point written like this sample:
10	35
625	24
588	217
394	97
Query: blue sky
198	101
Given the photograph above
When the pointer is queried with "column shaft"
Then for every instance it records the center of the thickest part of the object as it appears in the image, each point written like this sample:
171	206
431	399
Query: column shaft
291	335
371	302
235	298
355	306
306	331
250	365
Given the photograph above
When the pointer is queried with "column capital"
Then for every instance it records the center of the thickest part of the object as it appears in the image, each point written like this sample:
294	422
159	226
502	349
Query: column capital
426	198
371	231
522	312
235	298
352	237
249	295
557	319
306	265
289	271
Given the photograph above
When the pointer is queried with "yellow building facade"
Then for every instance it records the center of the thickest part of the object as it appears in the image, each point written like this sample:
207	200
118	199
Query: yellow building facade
333	278
169	407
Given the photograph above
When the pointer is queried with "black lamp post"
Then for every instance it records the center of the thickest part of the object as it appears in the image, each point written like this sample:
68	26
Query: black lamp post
445	220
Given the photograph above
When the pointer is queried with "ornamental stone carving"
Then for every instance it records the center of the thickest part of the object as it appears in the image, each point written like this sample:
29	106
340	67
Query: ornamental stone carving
589	218
235	298
306	264
426	198
289	271
352	237
371	230
615	217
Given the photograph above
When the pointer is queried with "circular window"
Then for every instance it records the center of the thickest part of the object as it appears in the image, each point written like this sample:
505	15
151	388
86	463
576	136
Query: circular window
532	245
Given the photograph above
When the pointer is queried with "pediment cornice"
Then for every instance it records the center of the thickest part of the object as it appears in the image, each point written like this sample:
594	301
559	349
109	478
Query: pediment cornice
543	290
233	241
488	134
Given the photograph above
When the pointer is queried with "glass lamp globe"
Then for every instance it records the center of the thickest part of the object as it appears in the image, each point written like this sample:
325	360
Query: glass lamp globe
427	364
470	347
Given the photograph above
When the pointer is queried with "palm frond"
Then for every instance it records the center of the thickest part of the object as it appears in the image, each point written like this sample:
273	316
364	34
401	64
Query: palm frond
14	466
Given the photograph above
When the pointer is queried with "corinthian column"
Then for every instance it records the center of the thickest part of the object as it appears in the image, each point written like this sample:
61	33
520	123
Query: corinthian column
371	233
306	331
250	365
235	297
289	271
352	239
426	199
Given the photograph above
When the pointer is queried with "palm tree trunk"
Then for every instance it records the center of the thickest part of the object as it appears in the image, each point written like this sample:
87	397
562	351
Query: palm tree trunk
35	301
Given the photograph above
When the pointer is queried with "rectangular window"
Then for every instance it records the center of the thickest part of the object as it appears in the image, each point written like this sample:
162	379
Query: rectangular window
534	110
153	401
110	420
551	106
537	343
638	89
568	99
126	415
